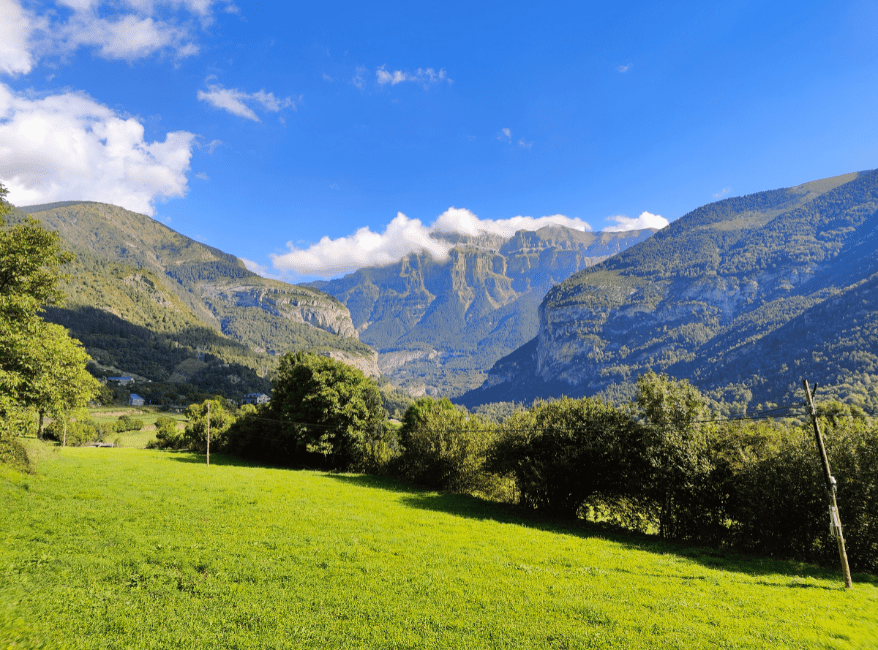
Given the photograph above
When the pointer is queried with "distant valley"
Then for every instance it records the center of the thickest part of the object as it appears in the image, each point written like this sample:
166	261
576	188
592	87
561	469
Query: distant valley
151	303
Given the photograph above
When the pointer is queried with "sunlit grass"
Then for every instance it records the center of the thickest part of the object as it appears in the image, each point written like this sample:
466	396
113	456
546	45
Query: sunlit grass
113	548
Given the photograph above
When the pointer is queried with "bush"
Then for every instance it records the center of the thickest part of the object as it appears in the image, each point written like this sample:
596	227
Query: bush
167	435
127	423
566	454
79	432
444	448
196	431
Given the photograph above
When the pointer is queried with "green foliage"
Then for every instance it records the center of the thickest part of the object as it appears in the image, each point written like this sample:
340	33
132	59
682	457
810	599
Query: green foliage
568	454
41	367
128	423
322	412
444	447
210	414
675	419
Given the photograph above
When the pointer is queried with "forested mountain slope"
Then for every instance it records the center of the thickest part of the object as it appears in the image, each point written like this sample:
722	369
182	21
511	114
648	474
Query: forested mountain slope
148	301
438	325
744	297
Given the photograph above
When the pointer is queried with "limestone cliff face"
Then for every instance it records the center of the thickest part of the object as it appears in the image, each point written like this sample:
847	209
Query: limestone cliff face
697	297
296	304
439	324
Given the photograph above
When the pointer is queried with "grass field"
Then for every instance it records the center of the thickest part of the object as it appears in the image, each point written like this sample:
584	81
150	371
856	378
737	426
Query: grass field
148	416
125	548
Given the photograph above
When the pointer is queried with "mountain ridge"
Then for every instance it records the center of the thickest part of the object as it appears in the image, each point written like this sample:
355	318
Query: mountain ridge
705	291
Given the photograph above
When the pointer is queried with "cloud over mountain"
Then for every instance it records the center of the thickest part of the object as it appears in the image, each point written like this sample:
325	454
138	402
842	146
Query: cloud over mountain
622	223
400	237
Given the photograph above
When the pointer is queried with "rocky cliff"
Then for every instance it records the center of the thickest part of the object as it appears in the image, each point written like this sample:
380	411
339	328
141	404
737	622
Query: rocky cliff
439	324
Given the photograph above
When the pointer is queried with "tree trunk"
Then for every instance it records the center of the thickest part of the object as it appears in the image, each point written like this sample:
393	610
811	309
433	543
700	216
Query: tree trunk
40	427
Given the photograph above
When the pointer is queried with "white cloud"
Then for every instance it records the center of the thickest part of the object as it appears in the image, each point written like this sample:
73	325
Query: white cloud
423	76
202	176
526	145
461	220
402	236
645	220
359	80
505	134
16	26
622	69
117	29
257	268
70	147
722	192
128	37
235	101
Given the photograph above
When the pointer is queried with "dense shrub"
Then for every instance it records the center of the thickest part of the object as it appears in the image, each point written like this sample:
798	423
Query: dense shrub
443	447
778	503
167	435
569	453
128	423
676	424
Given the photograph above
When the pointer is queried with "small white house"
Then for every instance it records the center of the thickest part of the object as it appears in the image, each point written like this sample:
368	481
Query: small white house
135	400
256	398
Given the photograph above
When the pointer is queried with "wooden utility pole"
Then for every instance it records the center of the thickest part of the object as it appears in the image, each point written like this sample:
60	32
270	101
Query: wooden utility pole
834	519
208	434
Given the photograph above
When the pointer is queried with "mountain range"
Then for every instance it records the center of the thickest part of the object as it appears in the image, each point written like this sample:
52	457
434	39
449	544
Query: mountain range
744	297
439	324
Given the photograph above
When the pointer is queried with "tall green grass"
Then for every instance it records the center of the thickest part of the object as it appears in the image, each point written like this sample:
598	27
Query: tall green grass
123	548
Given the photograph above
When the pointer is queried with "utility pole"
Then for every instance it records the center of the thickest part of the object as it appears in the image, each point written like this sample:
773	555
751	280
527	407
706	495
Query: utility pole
834	520
208	434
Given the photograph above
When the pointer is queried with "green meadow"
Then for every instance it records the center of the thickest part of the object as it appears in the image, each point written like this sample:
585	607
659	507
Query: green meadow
129	548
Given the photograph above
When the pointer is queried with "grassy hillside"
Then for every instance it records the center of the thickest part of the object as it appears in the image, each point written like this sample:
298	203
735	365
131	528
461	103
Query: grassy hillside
110	548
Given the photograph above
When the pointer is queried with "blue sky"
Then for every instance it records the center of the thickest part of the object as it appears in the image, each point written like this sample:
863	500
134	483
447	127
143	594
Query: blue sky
267	128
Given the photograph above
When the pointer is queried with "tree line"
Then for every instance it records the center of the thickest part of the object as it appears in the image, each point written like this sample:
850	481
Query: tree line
661	463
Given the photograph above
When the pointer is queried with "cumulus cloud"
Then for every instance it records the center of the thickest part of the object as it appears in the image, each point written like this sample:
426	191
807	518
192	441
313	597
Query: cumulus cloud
645	220
722	192
237	102
505	134
70	147
16	27
402	236
117	29
423	76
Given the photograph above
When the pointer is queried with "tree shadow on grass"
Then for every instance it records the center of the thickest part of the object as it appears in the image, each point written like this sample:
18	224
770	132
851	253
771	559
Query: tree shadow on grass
799	574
